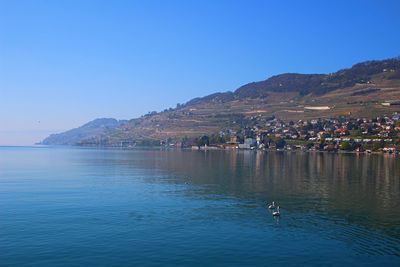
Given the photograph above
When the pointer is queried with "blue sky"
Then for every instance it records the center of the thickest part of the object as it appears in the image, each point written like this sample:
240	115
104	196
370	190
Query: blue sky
63	63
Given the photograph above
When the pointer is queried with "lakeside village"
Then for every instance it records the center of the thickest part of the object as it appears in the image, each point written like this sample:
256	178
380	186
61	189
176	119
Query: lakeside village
380	134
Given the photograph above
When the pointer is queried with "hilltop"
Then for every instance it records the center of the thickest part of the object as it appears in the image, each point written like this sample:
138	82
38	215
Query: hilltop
358	91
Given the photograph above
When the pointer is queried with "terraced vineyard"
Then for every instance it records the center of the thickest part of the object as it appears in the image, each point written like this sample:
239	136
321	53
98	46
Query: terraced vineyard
358	92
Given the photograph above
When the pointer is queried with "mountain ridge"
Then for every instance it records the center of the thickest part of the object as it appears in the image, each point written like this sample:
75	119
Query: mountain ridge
308	81
357	91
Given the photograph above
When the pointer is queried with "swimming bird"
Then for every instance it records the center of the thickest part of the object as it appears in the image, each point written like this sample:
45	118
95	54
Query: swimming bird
276	213
272	206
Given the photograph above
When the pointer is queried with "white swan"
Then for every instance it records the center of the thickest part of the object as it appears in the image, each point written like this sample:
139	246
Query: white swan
276	213
272	206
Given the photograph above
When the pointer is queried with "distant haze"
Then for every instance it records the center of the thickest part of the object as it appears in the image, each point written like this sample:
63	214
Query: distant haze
64	63
22	137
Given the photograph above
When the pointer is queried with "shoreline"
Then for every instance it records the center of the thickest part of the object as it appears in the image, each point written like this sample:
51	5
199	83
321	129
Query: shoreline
212	148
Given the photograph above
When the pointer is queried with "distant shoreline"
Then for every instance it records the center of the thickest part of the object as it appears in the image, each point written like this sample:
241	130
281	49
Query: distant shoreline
138	148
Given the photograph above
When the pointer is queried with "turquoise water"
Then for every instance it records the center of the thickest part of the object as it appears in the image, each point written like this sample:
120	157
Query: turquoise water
89	207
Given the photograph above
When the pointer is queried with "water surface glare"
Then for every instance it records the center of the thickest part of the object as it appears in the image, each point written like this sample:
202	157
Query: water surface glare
103	207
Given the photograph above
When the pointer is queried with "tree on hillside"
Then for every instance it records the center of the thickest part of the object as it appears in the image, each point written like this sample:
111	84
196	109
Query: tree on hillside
378	145
216	139
202	141
346	146
280	143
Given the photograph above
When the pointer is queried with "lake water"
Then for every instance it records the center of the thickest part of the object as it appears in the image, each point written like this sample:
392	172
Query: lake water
93	207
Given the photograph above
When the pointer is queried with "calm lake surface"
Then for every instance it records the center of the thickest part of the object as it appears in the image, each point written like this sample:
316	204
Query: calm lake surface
93	207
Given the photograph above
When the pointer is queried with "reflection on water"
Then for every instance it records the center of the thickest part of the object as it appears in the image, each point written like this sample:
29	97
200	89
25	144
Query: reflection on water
347	189
331	204
358	189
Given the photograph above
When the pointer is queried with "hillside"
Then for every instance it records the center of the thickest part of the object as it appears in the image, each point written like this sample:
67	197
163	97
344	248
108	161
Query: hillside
86	131
358	91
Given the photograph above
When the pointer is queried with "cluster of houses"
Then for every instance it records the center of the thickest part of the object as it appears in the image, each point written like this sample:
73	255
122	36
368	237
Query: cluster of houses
344	133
